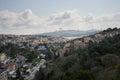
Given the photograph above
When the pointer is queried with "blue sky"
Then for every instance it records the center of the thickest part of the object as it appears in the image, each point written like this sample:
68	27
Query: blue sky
97	14
46	7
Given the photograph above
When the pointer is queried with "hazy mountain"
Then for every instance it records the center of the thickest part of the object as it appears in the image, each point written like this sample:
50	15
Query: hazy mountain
70	33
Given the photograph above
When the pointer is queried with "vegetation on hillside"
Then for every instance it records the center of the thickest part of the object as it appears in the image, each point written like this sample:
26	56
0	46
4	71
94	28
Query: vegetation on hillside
12	50
99	61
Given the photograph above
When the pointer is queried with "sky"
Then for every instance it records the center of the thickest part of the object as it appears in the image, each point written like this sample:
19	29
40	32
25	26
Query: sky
39	16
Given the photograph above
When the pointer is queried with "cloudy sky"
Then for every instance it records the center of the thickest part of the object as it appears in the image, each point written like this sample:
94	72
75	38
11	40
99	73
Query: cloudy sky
39	16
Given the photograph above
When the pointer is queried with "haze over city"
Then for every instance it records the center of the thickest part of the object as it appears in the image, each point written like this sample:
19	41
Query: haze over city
40	16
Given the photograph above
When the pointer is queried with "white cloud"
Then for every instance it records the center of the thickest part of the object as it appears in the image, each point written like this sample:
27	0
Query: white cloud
28	23
18	23
62	17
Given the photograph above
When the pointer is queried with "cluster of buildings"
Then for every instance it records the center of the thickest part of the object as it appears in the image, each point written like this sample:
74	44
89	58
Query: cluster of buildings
85	41
9	66
30	39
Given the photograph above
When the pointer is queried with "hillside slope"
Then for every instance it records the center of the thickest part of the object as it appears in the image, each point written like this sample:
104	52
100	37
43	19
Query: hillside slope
97	61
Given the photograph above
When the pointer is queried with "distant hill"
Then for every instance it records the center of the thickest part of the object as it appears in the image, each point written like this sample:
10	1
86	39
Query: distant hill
70	33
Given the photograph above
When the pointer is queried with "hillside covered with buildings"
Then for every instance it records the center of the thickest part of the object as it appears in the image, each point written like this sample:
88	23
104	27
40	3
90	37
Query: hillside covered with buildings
36	57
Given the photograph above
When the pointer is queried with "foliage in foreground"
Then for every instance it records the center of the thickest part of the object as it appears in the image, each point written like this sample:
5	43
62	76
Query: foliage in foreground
99	61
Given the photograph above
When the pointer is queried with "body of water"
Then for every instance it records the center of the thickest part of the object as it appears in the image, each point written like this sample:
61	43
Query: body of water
75	37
